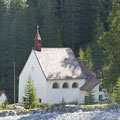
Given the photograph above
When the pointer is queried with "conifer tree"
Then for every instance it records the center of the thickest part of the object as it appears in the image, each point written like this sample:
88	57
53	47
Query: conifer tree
81	54
86	56
89	100
67	23
110	42
50	26
59	39
30	98
116	92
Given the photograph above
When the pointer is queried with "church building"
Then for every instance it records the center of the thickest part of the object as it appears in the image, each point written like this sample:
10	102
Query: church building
58	76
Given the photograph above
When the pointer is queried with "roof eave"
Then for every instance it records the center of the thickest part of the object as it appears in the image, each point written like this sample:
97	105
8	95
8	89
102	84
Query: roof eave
85	89
66	79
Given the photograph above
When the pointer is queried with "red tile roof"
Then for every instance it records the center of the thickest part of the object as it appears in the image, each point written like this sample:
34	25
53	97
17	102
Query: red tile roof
91	80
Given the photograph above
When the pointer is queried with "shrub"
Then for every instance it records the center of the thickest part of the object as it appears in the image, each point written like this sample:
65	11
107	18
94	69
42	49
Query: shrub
0	105
6	102
44	105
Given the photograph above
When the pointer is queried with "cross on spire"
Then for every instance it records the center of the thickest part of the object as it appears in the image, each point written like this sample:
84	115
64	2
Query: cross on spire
37	28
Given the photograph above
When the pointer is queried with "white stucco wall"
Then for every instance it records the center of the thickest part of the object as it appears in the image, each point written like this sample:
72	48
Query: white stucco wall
97	93
32	66
69	94
44	89
2	98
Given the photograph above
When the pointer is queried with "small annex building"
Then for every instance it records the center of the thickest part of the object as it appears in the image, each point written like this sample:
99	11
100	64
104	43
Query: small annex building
57	75
3	96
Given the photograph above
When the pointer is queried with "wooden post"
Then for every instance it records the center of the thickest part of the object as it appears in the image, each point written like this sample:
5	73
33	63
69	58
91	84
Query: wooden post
14	83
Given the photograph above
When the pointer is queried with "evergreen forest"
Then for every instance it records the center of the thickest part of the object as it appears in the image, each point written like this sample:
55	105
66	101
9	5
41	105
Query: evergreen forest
91	28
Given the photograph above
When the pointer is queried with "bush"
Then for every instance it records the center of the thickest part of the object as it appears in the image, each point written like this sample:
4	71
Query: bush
35	104
101	106
43	105
6	102
0	105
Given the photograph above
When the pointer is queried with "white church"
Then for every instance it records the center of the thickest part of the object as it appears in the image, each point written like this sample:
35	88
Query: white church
57	76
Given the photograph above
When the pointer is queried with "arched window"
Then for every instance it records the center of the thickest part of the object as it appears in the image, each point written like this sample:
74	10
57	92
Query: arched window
65	85
56	85
75	85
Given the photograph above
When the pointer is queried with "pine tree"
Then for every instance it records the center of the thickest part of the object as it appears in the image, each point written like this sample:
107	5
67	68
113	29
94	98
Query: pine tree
71	26
67	23
110	42
116	92
82	54
2	40
51	26
8	37
89	100
59	39
87	57
30	98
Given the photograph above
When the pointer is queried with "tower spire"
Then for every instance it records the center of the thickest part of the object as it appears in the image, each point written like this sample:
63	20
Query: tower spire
37	28
37	40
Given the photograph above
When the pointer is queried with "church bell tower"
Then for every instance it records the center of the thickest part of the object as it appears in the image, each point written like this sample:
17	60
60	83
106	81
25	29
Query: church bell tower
37	41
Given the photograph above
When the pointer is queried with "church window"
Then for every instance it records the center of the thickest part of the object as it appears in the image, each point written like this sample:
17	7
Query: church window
65	85
55	85
75	85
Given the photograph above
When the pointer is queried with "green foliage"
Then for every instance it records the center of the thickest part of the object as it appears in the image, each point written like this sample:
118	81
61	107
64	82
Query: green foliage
110	42
50	32
6	102
31	100
101	106
59	39
116	93
89	99
63	23
82	55
0	105
92	56
88	57
44	105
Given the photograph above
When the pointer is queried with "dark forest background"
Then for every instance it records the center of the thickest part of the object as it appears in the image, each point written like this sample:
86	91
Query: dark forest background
79	24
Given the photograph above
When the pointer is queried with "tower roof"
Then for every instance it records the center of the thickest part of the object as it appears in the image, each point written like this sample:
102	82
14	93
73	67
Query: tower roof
37	37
